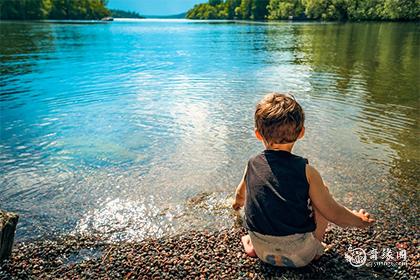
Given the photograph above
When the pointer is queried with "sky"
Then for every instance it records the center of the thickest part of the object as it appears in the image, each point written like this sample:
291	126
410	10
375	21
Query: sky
154	7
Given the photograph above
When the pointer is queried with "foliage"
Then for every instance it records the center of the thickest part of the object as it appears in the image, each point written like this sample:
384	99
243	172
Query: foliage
124	14
230	9
326	9
283	9
308	9
401	9
53	9
364	10
259	9
384	10
245	9
202	11
215	2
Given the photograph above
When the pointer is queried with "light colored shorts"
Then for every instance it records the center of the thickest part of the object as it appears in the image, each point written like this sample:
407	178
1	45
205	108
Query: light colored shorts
294	250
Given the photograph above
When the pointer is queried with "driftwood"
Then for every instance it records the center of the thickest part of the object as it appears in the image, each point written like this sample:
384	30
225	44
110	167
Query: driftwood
8	222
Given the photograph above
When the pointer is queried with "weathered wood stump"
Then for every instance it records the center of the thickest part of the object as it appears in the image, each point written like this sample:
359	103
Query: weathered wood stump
8	222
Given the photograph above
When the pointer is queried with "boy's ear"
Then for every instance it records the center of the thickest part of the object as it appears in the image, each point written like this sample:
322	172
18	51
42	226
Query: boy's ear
301	133
258	135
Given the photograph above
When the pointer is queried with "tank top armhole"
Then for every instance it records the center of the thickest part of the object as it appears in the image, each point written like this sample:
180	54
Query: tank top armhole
246	170
304	169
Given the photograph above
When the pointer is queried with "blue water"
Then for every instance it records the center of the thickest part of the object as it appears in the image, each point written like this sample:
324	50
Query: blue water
143	128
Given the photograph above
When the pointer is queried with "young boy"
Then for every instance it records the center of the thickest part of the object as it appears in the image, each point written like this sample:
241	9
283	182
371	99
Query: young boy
287	205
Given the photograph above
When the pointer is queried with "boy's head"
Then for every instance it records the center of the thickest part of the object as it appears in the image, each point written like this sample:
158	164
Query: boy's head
279	119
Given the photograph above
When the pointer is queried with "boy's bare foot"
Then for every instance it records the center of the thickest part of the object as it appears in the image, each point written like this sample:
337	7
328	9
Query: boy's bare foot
249	249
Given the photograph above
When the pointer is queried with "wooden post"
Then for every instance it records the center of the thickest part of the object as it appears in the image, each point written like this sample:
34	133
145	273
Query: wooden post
8	222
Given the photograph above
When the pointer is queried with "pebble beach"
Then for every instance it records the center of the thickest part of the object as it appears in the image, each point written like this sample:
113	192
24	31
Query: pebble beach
201	255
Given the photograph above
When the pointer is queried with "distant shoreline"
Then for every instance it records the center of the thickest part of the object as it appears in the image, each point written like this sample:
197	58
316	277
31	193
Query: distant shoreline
239	21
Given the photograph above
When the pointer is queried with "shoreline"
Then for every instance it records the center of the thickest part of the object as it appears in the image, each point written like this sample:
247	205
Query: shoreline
200	255
238	21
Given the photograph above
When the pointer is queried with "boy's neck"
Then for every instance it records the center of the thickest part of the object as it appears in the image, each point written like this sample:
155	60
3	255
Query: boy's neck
280	147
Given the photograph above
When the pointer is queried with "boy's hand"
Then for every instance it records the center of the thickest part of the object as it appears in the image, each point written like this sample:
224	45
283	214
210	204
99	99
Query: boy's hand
238	203
240	194
366	218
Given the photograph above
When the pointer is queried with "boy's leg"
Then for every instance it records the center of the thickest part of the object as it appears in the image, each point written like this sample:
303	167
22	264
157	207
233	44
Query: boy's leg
249	249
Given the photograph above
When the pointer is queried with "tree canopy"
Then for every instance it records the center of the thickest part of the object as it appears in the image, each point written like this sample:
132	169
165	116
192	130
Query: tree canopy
308	9
53	9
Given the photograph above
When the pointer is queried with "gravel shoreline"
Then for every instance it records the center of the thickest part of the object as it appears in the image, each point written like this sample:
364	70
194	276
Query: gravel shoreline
199	255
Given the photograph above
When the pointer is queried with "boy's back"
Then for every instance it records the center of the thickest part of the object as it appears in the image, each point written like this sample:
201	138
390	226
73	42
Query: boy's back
277	189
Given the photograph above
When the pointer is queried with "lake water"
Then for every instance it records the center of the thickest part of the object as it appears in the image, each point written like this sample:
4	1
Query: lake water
143	128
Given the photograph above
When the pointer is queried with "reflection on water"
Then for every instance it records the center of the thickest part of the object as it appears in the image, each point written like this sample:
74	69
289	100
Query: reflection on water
133	129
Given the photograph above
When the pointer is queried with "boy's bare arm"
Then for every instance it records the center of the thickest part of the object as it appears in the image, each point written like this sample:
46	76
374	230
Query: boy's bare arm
331	209
240	194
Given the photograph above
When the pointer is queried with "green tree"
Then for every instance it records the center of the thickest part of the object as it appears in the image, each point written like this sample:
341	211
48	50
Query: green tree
246	9
24	9
364	10
36	9
283	9
259	9
230	6
215	2
214	9
326	9
59	9
203	11
53	9
401	10
238	12
96	9
10	9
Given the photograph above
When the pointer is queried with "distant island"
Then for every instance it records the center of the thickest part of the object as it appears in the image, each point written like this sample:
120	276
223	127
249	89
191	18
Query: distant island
124	14
353	10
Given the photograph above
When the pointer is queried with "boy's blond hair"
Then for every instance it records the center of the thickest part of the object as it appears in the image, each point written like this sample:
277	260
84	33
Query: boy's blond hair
279	118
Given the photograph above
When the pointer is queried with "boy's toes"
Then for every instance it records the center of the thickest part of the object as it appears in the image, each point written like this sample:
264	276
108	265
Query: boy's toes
249	249
252	254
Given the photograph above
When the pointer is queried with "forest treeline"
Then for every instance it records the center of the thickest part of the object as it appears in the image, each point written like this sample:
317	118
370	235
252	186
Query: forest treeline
124	14
355	10
53	9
